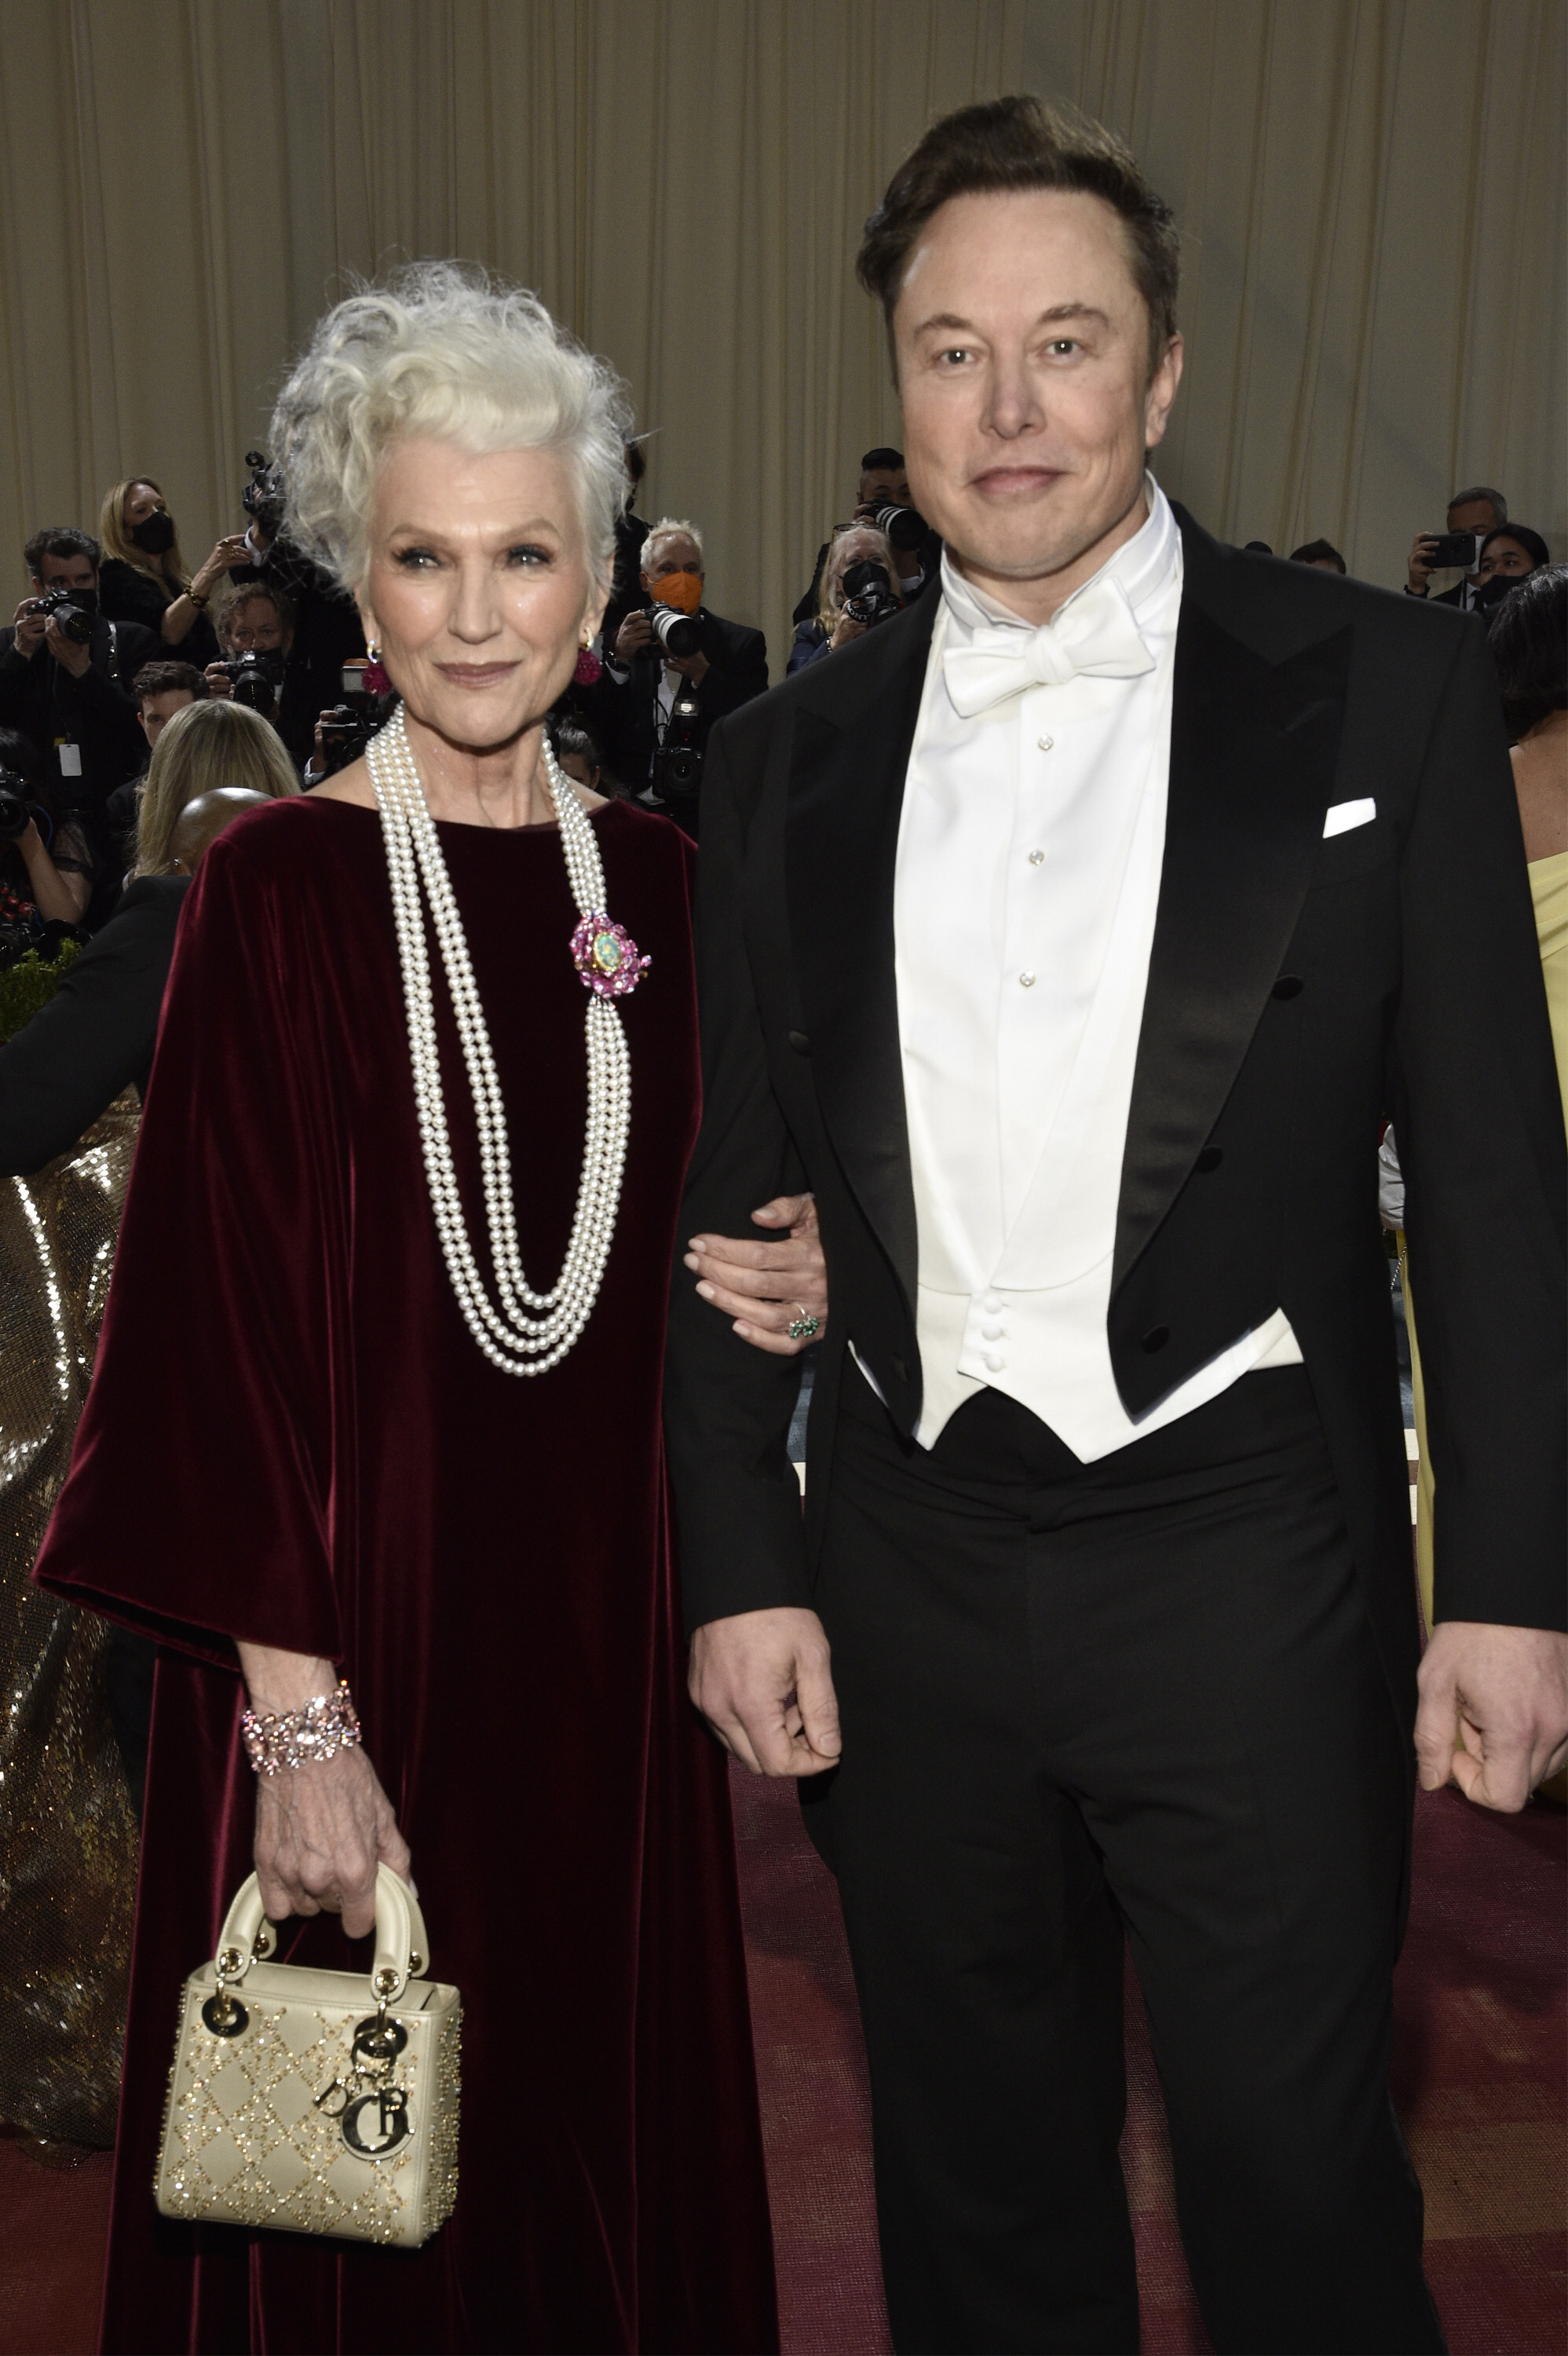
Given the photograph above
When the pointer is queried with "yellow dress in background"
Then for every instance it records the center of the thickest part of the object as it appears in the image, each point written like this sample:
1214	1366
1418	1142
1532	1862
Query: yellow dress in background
1548	891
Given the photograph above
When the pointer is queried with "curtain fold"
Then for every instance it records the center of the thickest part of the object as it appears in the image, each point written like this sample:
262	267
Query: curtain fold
1371	193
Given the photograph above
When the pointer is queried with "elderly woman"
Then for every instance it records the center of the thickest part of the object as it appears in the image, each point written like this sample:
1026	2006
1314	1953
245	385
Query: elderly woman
336	1432
831	628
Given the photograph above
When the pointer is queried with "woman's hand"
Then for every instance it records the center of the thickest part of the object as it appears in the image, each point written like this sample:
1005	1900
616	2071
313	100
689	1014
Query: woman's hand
229	552
765	1287
321	1829
845	628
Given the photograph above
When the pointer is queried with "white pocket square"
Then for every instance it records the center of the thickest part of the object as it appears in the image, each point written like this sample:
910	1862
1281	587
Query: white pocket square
1343	815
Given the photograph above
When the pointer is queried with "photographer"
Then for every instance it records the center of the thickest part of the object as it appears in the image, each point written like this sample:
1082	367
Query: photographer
631	534
144	578
883	483
64	670
322	623
674	669
1475	512
255	632
46	869
849	607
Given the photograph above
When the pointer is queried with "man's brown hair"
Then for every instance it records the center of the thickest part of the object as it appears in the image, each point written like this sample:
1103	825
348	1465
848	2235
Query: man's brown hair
1010	143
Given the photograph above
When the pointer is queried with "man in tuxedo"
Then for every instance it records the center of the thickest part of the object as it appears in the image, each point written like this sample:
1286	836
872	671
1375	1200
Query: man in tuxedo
1068	938
653	705
1480	509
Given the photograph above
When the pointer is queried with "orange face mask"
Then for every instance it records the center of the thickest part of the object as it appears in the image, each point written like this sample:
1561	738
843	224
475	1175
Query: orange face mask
681	590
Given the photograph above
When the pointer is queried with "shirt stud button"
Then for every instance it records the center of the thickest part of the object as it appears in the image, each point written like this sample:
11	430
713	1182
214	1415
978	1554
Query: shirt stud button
990	1332
991	1305
1037	859
994	1362
1046	743
1026	981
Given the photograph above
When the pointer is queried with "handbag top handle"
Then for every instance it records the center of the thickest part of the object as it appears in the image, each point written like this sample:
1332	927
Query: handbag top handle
402	1950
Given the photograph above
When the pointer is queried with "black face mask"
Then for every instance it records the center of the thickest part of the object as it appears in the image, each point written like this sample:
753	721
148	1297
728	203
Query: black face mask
154	535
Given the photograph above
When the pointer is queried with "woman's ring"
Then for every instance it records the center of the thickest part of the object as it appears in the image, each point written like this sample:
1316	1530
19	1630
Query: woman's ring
805	1327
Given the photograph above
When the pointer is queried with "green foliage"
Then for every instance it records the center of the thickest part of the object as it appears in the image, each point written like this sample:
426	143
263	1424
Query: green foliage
30	983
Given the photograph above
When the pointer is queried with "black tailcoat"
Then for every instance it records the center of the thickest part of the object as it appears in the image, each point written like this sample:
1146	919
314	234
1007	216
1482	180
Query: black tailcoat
1300	991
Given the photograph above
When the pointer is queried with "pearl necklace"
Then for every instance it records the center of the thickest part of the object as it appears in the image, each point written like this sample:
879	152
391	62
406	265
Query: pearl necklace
531	1331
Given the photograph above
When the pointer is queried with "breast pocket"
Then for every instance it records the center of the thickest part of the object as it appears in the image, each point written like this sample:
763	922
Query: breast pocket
1360	851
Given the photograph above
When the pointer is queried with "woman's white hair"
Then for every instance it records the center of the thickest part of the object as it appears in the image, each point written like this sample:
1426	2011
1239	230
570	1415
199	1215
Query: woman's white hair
444	351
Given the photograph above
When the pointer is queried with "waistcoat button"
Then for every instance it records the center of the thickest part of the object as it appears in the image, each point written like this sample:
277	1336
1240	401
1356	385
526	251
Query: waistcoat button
800	1043
1289	985
1156	1338
1211	1158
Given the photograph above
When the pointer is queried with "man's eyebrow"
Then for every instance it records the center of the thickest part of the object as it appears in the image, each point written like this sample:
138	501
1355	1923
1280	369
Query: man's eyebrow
1058	313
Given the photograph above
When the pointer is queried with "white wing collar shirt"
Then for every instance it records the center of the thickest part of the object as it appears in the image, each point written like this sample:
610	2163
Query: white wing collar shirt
1029	866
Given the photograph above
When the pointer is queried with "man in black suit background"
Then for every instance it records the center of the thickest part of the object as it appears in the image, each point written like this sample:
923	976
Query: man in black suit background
655	706
1480	509
884	482
1068	936
68	693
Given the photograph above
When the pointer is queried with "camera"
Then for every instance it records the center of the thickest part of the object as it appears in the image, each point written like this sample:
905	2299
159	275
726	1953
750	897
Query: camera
72	620
1460	548
262	496
678	634
904	527
678	762
347	727
868	593
257	676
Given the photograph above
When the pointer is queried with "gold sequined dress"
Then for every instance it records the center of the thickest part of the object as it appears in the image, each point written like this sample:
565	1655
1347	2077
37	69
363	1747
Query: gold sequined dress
67	1834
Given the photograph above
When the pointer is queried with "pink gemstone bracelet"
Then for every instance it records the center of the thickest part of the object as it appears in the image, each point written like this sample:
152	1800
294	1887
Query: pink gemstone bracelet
327	1724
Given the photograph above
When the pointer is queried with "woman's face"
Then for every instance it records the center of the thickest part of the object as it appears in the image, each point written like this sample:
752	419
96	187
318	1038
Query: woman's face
141	502
1508	558
478	589
852	548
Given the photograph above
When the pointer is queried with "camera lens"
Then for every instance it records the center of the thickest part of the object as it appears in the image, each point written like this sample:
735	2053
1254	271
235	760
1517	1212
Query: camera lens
678	634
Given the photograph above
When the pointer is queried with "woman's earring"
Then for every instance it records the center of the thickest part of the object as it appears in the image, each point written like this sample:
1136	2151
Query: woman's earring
373	651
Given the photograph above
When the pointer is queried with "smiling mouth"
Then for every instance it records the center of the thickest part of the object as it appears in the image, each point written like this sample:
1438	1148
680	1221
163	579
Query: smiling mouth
1017	478
476	674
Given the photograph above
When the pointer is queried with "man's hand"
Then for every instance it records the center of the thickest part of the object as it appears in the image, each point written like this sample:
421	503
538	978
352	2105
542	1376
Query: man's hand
218	683
765	1287
65	653
634	633
1494	1711
1418	564
30	627
762	1681
692	667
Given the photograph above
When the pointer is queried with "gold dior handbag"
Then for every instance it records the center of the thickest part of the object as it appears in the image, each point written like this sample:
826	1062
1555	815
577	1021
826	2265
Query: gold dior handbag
315	2102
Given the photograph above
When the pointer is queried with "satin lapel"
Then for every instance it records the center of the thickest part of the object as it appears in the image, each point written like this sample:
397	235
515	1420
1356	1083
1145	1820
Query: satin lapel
1253	747
849	753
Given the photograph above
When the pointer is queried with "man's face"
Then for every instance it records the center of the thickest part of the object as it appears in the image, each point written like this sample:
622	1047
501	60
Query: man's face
1022	347
255	627
65	573
883	485
157	710
676	552
1472	515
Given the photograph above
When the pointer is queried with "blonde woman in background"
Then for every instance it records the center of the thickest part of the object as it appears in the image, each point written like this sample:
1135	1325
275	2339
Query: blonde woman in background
831	628
203	749
143	578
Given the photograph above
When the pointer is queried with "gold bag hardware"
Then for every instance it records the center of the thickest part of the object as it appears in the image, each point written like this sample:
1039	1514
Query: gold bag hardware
315	2102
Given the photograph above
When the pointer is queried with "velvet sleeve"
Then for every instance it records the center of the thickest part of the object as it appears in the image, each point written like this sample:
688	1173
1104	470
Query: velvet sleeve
200	1502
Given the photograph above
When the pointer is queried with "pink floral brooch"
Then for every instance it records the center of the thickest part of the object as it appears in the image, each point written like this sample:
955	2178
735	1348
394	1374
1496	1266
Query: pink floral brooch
606	956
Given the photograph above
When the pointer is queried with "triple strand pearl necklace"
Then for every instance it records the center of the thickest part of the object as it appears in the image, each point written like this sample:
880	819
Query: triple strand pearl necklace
529	1332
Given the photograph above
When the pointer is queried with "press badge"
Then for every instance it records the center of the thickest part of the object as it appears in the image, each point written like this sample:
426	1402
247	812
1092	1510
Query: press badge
70	758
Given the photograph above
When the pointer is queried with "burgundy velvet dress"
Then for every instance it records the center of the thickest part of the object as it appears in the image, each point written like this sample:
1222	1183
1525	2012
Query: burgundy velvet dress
292	1440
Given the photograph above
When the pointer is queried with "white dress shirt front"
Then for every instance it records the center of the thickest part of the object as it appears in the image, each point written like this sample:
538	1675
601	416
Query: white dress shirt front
1028	865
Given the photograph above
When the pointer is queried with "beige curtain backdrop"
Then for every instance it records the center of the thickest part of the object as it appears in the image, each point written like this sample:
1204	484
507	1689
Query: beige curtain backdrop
1371	192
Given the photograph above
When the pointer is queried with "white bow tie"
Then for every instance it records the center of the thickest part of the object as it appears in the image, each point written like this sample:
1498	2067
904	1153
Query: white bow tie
1095	633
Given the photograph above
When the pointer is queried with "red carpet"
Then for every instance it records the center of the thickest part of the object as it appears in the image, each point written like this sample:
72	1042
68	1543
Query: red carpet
1479	2077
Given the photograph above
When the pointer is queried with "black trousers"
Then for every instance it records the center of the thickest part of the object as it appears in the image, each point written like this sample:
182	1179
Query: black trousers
1138	1698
